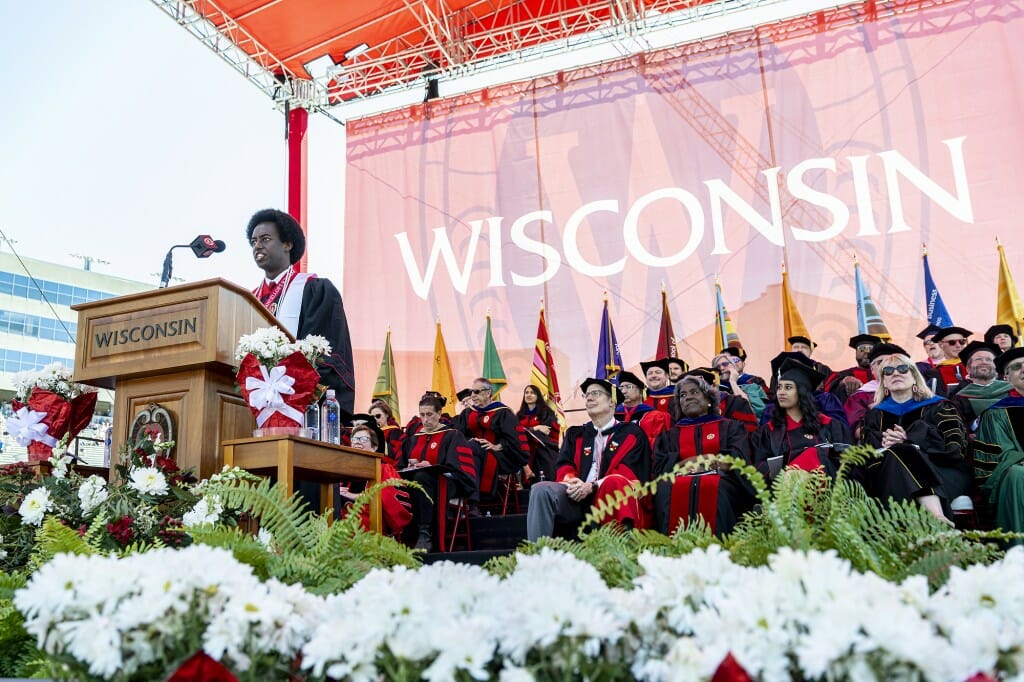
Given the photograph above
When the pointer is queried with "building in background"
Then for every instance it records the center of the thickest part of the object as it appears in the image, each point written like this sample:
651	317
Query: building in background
38	326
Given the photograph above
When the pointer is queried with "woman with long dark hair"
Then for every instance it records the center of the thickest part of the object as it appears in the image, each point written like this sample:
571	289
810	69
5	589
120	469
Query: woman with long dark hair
797	434
542	432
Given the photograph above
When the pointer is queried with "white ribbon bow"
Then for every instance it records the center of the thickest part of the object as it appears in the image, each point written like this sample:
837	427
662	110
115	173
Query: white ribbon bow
27	425
266	395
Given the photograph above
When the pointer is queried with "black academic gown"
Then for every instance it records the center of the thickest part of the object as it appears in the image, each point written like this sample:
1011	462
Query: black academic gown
323	313
792	444
937	463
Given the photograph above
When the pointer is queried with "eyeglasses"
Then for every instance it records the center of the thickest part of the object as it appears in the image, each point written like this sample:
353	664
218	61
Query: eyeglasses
361	439
954	342
1015	366
902	369
865	347
477	391
594	394
722	366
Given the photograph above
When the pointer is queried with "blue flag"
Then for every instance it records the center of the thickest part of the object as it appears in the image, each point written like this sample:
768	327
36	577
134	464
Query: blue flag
937	313
609	361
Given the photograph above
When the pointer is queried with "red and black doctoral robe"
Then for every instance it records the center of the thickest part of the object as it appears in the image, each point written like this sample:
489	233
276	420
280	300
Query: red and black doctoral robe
543	447
952	372
738	408
446	448
625	461
834	383
496	423
719	498
661	399
653	422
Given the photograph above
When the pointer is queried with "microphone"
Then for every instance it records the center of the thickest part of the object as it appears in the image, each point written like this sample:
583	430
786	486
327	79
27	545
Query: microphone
202	246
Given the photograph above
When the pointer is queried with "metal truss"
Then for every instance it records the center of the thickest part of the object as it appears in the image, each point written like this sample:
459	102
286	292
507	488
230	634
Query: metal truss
484	36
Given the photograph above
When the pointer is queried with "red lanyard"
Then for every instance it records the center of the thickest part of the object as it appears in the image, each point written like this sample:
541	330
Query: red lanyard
273	298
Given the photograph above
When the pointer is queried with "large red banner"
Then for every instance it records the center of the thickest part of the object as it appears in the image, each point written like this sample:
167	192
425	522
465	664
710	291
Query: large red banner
860	131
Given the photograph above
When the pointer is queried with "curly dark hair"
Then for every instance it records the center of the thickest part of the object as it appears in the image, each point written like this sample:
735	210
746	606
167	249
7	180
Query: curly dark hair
543	412
288	230
808	408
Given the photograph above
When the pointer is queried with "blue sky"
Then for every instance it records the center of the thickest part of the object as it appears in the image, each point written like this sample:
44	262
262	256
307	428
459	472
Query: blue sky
122	135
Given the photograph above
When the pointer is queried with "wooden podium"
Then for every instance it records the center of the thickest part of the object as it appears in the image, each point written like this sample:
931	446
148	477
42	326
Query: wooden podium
174	347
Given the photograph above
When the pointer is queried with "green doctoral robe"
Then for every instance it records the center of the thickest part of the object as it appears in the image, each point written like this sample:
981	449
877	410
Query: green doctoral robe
999	460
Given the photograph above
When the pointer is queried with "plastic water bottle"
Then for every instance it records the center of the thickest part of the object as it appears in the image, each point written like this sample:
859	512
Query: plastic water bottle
330	419
313	420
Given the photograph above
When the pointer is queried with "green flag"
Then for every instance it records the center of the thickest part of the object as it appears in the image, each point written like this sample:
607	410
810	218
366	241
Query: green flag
493	371
386	388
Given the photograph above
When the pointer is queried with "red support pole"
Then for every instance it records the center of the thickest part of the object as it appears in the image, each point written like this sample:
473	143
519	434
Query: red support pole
298	124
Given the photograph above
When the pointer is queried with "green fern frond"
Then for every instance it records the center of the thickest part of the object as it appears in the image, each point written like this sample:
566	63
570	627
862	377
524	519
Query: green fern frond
54	538
285	517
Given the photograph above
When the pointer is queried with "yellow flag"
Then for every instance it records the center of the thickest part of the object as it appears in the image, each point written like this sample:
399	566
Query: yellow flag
792	322
1009	309
442	380
386	388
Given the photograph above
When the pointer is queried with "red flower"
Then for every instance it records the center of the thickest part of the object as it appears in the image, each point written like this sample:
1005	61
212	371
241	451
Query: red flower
166	464
122	530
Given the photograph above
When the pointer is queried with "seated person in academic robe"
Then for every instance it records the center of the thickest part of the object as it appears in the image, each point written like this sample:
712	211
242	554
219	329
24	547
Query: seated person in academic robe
999	448
923	438
386	422
542	429
493	430
718	495
828	404
435	445
983	387
845	383
951	340
1002	336
633	409
303	303
596	460
803	344
728	367
729	406
798	434
858	404
677	367
933	352
395	503
659	388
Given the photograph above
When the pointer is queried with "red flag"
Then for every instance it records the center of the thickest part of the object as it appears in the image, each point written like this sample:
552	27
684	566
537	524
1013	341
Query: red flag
666	337
543	375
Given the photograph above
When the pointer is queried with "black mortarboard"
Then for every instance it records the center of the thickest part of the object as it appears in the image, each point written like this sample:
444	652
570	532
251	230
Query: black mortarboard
863	338
990	334
660	362
606	385
799	371
735	352
362	417
706	373
975	346
1006	358
464	393
679	361
802	339
946	331
928	331
885	348
630	378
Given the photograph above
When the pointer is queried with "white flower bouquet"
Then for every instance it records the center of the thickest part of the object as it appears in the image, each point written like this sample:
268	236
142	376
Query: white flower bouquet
277	378
48	406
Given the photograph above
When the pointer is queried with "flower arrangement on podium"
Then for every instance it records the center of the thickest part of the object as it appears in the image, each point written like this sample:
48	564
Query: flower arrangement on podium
48	406
278	378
